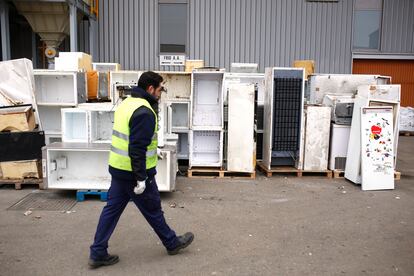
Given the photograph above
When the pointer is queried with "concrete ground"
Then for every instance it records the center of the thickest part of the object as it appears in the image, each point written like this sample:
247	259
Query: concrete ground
270	226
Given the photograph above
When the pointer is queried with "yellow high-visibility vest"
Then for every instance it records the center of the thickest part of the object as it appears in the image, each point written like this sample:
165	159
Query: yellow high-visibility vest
118	156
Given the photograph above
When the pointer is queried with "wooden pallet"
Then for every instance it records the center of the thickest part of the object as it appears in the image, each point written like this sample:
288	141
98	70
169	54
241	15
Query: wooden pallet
341	174
291	170
338	173
397	175
406	133
19	182
206	172
327	173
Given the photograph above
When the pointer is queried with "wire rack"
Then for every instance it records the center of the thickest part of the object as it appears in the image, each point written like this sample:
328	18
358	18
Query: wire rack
286	110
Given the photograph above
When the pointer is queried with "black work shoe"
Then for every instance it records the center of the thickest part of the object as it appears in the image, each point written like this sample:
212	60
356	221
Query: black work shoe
183	241
108	260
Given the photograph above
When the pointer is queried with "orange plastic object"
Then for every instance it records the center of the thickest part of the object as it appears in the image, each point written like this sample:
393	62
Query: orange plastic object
92	77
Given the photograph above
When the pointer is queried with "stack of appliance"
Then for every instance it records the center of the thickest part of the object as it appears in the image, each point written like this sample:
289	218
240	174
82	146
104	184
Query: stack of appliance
55	90
283	117
21	139
373	143
175	108
339	84
21	143
80	161
206	119
174	124
338	91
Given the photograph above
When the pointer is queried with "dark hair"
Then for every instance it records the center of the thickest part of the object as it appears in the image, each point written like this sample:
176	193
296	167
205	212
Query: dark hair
149	78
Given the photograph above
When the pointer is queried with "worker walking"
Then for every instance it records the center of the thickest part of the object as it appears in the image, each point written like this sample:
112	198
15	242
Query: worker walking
132	164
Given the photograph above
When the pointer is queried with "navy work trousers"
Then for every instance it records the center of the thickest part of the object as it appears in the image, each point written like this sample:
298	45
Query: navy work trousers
149	203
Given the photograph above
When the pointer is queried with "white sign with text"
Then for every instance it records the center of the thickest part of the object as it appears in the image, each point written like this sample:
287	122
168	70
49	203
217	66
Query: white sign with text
174	60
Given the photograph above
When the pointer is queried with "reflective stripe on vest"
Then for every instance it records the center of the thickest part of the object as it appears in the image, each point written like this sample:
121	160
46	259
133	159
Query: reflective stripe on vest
149	153
120	135
119	157
126	138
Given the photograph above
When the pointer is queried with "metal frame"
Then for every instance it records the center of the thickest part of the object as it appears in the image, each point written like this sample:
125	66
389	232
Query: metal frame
364	99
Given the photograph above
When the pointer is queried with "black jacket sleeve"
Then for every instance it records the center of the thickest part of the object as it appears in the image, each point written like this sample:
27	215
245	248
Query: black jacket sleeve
141	125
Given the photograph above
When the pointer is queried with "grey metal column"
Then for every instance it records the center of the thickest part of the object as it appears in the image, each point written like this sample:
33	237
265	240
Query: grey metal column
93	49
73	27
5	30
34	50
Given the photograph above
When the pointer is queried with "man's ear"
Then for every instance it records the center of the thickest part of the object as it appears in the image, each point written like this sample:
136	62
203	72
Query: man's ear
150	89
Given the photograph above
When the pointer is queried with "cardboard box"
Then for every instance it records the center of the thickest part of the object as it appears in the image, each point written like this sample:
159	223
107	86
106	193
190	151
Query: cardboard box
17	118
73	61
21	169
193	64
309	66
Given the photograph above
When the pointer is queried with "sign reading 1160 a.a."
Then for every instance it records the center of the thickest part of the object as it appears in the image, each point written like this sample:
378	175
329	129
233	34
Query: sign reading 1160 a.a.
177	60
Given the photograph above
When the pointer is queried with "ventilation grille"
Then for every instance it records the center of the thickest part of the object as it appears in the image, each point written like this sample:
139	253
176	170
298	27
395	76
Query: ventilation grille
286	114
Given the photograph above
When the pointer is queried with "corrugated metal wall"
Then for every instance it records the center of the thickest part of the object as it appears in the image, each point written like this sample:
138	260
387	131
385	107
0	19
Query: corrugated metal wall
272	33
268	32
128	33
398	26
